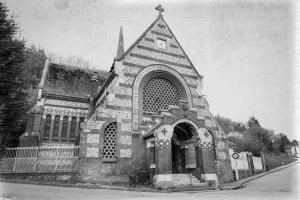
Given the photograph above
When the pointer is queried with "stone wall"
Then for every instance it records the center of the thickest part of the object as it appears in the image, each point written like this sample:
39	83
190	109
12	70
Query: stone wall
121	103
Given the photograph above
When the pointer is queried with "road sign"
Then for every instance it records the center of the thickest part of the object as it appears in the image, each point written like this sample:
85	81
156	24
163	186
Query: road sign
235	155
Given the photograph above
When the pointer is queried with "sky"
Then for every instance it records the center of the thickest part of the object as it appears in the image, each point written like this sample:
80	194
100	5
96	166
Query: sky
246	50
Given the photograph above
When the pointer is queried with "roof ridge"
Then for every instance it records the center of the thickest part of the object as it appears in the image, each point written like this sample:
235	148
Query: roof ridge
182	49
139	38
76	67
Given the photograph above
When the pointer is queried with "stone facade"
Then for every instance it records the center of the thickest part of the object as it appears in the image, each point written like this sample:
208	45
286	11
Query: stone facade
120	138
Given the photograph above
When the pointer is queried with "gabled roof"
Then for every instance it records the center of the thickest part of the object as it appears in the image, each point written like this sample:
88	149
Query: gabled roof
139	39
160	16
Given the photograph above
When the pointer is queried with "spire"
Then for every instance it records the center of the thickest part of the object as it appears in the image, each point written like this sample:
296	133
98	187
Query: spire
120	50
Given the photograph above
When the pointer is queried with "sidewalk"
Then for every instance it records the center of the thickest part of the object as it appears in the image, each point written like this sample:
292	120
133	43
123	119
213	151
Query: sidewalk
240	183
227	186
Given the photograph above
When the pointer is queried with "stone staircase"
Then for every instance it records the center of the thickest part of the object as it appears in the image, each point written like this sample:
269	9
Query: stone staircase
186	180
183	181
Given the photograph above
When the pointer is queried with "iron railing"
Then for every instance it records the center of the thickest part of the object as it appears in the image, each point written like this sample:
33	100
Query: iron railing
39	159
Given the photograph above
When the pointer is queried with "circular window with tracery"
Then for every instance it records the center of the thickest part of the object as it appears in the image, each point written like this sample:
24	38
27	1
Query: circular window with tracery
159	94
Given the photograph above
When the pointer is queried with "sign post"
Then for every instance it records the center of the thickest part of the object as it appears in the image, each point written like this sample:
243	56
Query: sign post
235	156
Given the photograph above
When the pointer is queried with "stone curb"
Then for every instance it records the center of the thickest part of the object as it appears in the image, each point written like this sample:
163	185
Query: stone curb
241	183
238	185
86	186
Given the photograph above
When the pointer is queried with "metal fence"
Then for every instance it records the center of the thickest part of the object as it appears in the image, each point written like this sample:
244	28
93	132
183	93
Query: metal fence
39	159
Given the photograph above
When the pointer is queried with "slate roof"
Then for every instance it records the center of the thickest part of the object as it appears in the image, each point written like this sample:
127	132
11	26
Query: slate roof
69	80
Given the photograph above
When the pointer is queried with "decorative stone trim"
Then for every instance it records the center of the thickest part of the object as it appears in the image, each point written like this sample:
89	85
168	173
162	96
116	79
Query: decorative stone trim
55	102
129	74
159	51
132	65
192	86
149	39
186	121
137	113
160	60
162	34
62	106
174	46
113	107
52	110
123	96
125	85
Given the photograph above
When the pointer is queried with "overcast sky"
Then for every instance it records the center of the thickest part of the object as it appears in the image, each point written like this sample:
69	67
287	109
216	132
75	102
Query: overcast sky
244	49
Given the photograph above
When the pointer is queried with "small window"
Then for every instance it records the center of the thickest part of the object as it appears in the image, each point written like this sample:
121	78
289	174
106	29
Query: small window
109	141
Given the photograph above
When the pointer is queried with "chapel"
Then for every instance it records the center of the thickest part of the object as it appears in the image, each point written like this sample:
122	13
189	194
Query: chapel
145	118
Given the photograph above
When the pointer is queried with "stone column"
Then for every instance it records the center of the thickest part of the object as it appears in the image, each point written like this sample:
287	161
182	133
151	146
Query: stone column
77	131
163	151
150	158
184	154
42	127
69	128
60	127
199	161
51	126
77	125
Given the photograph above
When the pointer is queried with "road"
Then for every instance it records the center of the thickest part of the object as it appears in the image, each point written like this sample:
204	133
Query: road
279	185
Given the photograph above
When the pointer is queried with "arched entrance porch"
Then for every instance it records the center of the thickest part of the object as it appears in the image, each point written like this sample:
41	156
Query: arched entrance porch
183	144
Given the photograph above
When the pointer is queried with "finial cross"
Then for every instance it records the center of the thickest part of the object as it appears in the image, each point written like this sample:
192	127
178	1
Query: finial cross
160	9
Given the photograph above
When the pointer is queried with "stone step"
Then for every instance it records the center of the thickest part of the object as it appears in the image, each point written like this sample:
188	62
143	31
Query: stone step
190	188
186	179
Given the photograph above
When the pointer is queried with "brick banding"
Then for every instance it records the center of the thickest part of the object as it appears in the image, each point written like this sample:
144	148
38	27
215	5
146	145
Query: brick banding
99	118
132	65
125	85
174	46
159	51
199	106
126	120
113	107
190	76
123	96
160	60
161	26
129	75
193	86
149	39
161	34
63	106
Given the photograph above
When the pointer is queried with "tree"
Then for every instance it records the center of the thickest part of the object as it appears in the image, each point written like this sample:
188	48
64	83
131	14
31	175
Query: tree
13	105
284	141
253	122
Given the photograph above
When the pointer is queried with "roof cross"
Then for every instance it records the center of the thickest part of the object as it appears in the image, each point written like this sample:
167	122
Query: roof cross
160	9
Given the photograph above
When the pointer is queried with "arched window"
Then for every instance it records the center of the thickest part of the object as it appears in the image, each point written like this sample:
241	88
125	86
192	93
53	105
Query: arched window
159	94
47	127
64	128
56	128
109	141
81	121
73	128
